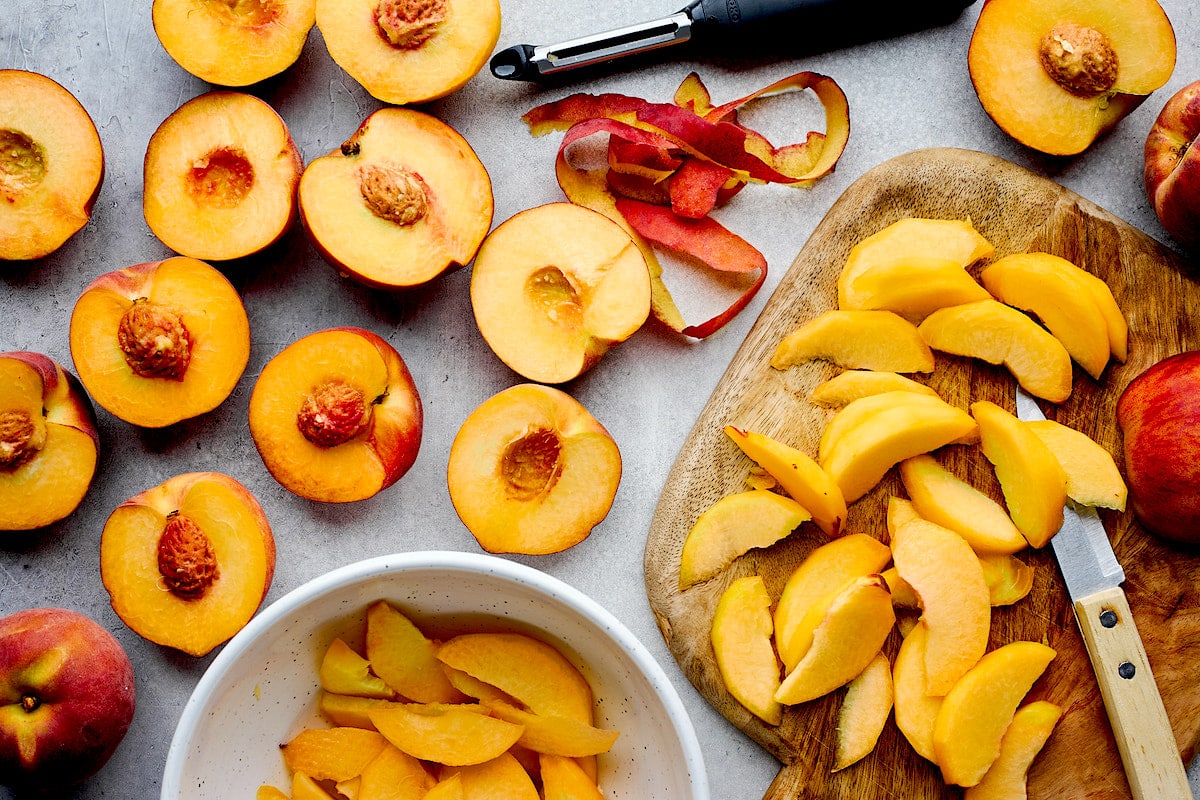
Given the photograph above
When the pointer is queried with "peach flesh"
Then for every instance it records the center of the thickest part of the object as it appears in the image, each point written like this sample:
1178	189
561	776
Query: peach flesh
222	178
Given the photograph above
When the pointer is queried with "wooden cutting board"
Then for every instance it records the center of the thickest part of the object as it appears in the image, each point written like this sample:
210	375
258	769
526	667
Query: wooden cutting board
1017	211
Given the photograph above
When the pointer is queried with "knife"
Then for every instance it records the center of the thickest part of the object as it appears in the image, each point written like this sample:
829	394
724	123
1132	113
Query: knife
724	24
1148	749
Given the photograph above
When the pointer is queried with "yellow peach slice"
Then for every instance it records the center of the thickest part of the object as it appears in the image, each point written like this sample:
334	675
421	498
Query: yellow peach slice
1035	284
268	792
1008	578
450	788
877	340
1092	476
1031	726
305	788
741	639
956	606
502	778
859	411
915	286
980	707
334	754
864	712
902	593
344	671
812	586
940	496
394	775
473	687
850	385
850	633
899	511
1033	482
916	709
555	735
564	779
351	711
798	474
445	733
1102	296
404	658
1000	334
732	526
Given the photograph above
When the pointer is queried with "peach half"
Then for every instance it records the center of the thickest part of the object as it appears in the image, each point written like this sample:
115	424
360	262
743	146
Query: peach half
532	471
402	201
188	562
409	51
220	177
554	287
160	342
51	165
336	416
48	441
233	42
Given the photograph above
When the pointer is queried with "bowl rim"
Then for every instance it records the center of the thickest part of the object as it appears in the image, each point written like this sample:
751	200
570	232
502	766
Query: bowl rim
327	582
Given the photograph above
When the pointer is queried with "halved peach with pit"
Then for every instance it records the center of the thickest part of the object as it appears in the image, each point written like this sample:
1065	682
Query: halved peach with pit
188	562
220	177
51	165
409	51
233	42
402	201
336	416
532	471
160	342
48	441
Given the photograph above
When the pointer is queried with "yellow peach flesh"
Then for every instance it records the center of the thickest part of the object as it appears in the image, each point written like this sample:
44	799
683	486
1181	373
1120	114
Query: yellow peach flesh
502	777
942	497
554	735
563	779
916	709
1024	738
856	339
741	639
394	775
1092	475
864	712
851	385
732	526
445	734
404	657
915	286
335	754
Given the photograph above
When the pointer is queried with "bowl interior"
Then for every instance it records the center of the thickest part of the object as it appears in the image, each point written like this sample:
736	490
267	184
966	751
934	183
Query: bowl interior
263	687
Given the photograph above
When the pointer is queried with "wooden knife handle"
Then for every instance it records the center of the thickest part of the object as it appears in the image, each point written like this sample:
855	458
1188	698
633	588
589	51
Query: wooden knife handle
1153	764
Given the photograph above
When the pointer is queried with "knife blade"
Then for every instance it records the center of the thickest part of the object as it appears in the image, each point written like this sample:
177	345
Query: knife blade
1093	576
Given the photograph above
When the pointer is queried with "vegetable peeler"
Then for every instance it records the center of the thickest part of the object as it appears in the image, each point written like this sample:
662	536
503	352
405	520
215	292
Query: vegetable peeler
720	25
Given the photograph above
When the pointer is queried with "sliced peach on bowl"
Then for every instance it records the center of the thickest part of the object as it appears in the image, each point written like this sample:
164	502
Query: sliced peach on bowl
336	416
864	712
410	51
741	640
1056	74
188	562
393	775
1023	740
405	658
532	471
502	777
555	287
445	733
1092	475
160	342
855	339
564	779
351	711
345	672
51	165
220	176
402	201
848	386
305	788
915	709
940	496
332	754
915	286
554	735
450	788
49	445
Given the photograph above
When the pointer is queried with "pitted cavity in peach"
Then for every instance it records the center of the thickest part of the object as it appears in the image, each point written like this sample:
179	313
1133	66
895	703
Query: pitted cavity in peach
531	464
1078	58
250	13
407	24
221	178
186	559
22	163
393	193
335	412
18	437
154	340
549	290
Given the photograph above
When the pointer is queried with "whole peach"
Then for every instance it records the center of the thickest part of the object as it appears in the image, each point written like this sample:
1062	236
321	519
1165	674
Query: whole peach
1172	165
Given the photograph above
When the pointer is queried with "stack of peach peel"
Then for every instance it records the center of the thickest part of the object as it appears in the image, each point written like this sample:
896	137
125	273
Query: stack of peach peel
500	711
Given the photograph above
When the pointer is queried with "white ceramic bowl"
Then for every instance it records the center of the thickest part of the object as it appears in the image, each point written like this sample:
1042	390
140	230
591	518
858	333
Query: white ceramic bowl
262	688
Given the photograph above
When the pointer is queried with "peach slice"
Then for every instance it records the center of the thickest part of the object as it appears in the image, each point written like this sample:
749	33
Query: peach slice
864	712
351	711
268	792
1035	282
49	445
555	735
401	202
1032	480
800	476
160	342
1055	75
1000	334
564	779
335	754
188	562
233	43
848	386
741	639
980	707
450	788
915	286
502	778
394	775
1008	578
956	605
899	511
850	634
305	788
51	165
445	734
731	527
812	586
902	593
1092	475
404	658
344	671
532	471
336	416
220	177
858	411
409	51
940	496
1102	296
473	687
855	339
555	287
1024	738
916	709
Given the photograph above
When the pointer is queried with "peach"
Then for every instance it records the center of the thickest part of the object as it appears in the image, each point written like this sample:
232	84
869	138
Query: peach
731	527
351	711
394	775
409	51
334	754
188	562
864	712
555	287
564	779
848	386
445	734
856	339
402	201
899	510
336	416
344	671
532	471
49	446
1169	161
502	777
858	411
305	788
233	43
220	177
554	735
915	286
741	640
268	792
450	788
1024	738
940	496
1092	475
1056	74
916	709
404	657
51	165
160	342
1008	578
